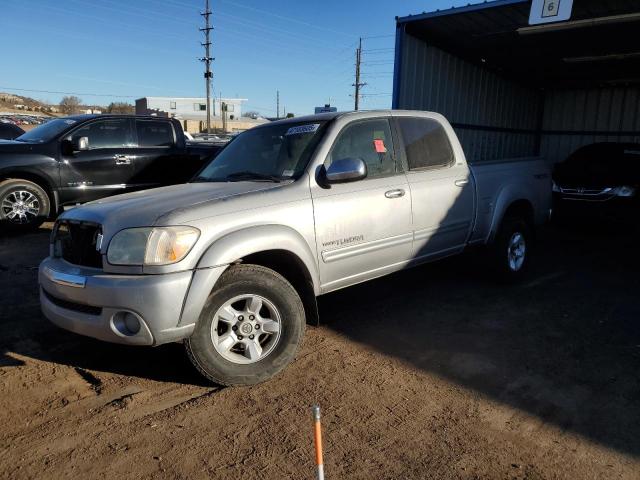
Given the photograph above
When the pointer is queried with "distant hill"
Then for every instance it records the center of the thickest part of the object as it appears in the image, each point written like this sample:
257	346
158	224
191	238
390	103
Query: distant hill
19	104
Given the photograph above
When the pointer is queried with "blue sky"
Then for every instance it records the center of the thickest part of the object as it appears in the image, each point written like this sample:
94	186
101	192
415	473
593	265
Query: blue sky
119	50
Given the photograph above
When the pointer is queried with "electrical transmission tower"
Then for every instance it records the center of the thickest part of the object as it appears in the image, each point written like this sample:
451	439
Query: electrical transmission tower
358	84
207	59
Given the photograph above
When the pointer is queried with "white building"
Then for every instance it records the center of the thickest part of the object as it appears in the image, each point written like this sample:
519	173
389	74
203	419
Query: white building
188	108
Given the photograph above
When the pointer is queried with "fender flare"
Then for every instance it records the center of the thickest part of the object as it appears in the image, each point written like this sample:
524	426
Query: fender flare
233	246
229	248
506	197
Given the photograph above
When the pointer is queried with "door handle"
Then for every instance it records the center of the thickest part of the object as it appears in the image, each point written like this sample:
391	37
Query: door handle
394	193
122	159
461	183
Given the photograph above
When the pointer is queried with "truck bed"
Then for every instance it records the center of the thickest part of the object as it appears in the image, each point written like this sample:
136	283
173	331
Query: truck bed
530	177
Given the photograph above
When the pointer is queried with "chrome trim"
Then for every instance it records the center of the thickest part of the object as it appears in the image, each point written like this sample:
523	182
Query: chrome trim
354	250
395	193
66	279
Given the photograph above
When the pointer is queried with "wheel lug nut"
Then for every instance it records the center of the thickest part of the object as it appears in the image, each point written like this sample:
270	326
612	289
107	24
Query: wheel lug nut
257	327
234	328
241	318
251	337
240	337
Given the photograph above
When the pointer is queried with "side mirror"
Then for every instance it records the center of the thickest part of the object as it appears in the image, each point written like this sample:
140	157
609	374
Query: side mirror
346	170
80	144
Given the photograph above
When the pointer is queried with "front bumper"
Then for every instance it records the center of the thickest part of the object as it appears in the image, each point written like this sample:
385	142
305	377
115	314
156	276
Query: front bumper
621	208
90	302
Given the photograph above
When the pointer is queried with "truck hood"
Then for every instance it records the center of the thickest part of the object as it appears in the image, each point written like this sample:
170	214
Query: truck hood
161	206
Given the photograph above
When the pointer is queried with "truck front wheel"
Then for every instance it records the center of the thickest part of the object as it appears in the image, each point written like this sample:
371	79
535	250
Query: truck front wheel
24	205
249	329
511	249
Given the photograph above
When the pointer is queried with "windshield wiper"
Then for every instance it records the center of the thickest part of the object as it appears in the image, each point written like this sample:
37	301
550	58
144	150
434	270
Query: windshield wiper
248	175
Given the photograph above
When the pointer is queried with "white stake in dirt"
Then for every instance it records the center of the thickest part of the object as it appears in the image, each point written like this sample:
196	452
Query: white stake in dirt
317	430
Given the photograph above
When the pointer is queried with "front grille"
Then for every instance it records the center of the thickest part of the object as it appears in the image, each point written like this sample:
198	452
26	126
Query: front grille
594	194
76	307
76	242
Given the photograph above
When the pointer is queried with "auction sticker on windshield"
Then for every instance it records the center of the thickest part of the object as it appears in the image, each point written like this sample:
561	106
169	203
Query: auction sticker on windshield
311	128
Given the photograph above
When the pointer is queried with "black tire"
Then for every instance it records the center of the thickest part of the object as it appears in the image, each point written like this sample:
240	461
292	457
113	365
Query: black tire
9	190
243	280
505	267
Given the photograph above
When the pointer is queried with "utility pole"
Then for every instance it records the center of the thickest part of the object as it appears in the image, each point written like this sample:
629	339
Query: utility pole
208	75
358	84
278	103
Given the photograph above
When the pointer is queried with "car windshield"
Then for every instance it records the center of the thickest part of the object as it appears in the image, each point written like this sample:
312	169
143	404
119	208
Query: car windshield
46	131
271	153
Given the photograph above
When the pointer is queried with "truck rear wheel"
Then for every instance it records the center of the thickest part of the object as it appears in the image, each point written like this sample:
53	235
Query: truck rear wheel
24	205
511	249
249	329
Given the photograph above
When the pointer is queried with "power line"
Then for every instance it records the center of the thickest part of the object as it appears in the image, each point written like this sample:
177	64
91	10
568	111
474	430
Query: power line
290	19
68	93
379	36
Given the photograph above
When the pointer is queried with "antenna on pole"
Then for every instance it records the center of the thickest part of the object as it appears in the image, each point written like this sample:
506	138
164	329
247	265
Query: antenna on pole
207	59
278	103
358	84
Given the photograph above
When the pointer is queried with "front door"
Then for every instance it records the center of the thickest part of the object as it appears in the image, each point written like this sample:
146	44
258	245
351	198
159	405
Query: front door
363	228
105	168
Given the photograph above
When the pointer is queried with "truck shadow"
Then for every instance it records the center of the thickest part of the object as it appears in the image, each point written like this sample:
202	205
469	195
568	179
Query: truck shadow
25	333
564	345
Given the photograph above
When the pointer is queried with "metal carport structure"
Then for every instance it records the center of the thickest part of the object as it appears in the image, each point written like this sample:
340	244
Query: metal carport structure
513	90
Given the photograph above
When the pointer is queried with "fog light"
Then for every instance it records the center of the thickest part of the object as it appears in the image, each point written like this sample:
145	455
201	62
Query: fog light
126	323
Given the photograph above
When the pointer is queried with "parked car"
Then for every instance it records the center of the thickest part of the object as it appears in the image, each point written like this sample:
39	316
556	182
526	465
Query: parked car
599	178
9	131
232	262
77	159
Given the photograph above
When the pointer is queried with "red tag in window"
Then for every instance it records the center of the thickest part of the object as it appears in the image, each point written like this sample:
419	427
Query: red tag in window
379	145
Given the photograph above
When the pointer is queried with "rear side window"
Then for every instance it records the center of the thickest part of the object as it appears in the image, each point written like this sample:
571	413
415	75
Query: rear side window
154	134
426	143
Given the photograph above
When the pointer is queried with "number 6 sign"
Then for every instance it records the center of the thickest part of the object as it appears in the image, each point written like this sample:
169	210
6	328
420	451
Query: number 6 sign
547	11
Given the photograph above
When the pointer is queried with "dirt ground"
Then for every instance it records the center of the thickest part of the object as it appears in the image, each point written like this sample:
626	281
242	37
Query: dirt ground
437	372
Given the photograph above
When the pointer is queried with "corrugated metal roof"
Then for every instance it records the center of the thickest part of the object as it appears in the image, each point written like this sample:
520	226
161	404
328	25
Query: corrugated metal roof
491	34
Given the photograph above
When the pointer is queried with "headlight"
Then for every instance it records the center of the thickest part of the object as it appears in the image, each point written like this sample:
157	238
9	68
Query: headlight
151	246
624	191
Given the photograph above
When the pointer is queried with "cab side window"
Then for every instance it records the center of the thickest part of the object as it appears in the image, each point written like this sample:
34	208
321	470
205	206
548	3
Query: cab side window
425	142
106	134
152	133
369	140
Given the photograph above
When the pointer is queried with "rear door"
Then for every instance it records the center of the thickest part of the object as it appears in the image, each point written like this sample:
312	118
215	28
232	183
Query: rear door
161	158
105	168
442	190
363	228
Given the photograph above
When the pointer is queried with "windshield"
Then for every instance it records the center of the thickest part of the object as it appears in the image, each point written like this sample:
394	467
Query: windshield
46	131
273	153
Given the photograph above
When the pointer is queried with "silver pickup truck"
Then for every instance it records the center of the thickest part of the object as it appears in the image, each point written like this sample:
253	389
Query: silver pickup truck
232	262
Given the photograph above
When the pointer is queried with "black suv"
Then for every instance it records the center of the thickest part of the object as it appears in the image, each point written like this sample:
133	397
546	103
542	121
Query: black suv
77	159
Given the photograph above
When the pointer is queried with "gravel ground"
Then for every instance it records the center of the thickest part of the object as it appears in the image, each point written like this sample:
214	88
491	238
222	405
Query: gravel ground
437	372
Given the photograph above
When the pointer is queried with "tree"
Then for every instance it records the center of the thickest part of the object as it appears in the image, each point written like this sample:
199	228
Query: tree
251	114
69	105
120	107
290	115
